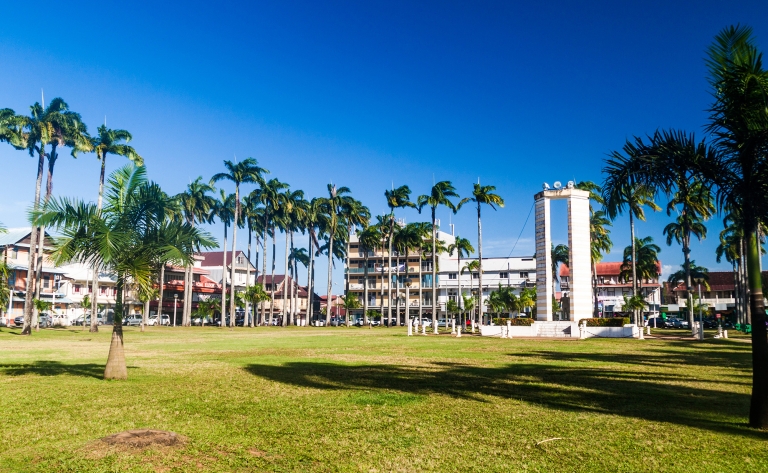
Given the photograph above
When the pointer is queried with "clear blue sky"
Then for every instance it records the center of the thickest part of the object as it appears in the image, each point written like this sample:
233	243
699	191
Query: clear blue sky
366	94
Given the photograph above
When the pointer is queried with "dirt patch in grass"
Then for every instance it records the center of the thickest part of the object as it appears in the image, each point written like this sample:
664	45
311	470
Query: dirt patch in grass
145	438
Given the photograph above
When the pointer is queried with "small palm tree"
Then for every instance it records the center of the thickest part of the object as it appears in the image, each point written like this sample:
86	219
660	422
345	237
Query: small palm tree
126	237
440	194
206	310
561	254
246	171
600	244
483	195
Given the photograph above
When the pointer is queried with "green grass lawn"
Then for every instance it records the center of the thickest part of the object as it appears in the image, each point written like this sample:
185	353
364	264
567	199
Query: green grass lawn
338	399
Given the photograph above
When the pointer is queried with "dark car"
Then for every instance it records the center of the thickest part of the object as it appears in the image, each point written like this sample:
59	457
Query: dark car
19	321
336	321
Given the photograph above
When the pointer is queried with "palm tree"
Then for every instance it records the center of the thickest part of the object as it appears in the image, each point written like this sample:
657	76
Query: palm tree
409	238
107	142
440	194
640	262
697	206
600	244
483	195
334	206
396	199
125	238
625	190
561	254
56	126
253	215
206	309
314	220
246	171
426	230
255	295
196	205
462	247
696	272
297	256
269	196
369	239
224	210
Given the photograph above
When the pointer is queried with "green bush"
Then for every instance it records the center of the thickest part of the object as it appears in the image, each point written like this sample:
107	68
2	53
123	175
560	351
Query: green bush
520	321
607	322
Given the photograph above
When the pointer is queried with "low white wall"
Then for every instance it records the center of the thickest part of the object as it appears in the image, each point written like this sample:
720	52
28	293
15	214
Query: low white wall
627	331
514	330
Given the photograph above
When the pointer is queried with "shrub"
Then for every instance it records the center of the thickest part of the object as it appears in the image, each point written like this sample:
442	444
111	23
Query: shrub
520	321
607	322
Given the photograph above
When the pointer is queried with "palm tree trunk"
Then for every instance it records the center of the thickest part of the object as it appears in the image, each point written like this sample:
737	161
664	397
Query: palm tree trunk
458	281
95	281
145	315
116	367
329	302
594	290
746	283
383	278
310	280
248	278
480	259
224	281
758	407
389	268
234	252
634	259
159	304
285	282
434	272
264	263
272	284
293	284
421	286
347	312
365	285
29	296
688	282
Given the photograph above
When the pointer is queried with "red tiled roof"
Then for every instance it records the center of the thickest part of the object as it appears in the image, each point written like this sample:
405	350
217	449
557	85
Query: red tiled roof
718	281
610	269
216	258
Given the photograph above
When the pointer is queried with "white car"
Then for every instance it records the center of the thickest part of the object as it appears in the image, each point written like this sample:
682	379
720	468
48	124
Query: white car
153	320
425	322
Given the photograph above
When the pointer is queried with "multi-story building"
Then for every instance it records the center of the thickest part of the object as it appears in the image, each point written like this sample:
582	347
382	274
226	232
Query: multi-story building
213	263
611	289
719	293
516	272
299	292
408	274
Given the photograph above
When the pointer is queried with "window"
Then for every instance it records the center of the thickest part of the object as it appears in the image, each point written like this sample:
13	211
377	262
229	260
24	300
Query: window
102	290
475	276
451	275
353	246
503	275
240	260
523	274
77	289
611	291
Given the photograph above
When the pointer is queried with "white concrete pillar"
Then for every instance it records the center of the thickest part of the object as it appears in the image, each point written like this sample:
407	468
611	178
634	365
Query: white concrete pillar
410	328
580	284
458	334
543	258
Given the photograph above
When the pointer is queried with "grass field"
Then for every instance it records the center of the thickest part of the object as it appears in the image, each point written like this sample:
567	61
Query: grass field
337	399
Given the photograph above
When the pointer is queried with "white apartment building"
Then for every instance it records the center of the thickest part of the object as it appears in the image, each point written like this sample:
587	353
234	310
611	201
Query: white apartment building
516	272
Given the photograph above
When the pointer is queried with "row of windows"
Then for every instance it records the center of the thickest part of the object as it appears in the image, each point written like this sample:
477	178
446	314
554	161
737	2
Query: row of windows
502	275
103	290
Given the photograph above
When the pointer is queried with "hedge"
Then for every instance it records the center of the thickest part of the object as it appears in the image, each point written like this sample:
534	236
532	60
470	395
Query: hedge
520	321
607	322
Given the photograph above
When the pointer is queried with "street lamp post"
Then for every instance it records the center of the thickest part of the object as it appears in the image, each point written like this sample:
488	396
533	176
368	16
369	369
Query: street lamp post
701	322
175	300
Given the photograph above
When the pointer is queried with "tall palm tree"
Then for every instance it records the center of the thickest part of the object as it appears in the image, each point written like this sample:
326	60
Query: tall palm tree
483	195
246	171
440	194
625	190
697	205
291	216
196	205
253	215
334	206
57	126
269	196
425	230
462	247
224	210
313	221
641	262
109	141
356	216
396	199
408	238
370	239
297	256
738	122
125	237
600	244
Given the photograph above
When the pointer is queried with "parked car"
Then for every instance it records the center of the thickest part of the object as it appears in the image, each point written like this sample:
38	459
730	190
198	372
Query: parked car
152	320
99	320
199	321
133	320
337	321
656	322
442	322
18	321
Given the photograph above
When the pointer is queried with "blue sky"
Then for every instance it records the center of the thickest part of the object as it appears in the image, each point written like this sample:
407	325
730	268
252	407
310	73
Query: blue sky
367	94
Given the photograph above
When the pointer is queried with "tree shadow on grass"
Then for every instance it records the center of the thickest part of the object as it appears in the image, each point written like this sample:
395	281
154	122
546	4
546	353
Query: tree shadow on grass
654	397
53	368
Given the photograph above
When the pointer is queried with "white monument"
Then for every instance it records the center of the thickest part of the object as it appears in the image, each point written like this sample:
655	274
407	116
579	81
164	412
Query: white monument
580	285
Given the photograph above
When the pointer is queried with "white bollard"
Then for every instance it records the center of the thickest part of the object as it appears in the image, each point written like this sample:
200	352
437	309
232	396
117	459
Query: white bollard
410	329
583	330
458	333
423	329
725	333
435	328
641	334
453	326
509	329
503	332
647	329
